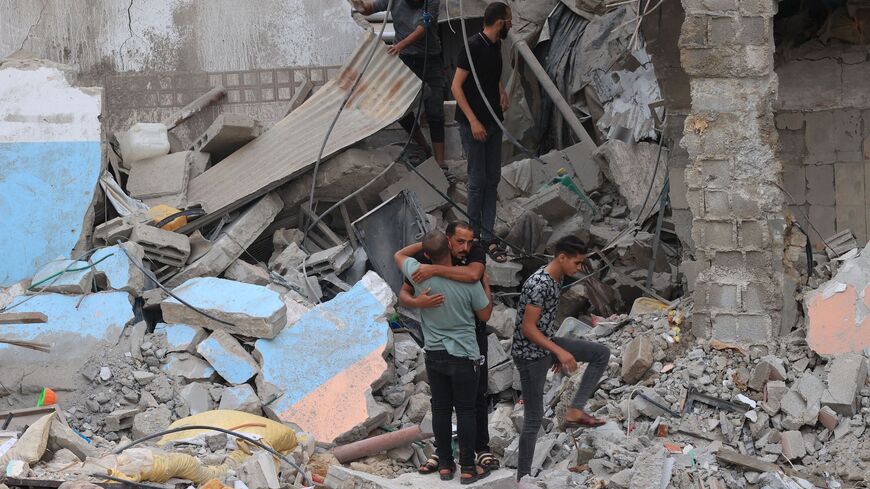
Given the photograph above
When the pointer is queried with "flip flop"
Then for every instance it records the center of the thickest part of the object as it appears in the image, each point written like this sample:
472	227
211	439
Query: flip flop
497	252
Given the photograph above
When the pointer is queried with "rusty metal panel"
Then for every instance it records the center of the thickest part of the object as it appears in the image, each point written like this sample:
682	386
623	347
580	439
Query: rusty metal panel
290	147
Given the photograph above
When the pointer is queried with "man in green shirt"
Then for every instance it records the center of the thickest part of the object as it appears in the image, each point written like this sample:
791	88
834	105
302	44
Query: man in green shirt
452	355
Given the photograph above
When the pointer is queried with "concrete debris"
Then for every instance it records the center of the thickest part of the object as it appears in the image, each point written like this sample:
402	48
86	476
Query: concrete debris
153	420
188	367
336	260
426	196
121	419
637	359
242	271
196	397
630	167
554	203
162	246
180	337
244	309
161	180
241	398
846	378
504	274
226	134
228	357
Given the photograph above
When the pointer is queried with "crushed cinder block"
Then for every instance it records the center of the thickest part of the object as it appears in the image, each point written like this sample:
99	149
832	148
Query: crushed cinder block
228	357
162	246
505	274
116	271
121	419
180	337
161	180
241	398
64	277
637	359
289	259
429	199
196	397
554	203
336	259
793	445
113	230
250	310
188	367
226	134
242	271
845	381
233	241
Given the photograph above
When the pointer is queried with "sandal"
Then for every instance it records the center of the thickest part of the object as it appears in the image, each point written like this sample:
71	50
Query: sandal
497	252
451	177
488	461
430	466
474	473
446	473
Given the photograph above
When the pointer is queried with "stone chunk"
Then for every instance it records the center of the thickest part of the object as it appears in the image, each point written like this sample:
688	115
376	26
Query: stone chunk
161	180
162	246
828	418
637	359
151	421
196	397
776	390
502	321
64	277
61	436
768	368
630	167
845	381
793	445
649	468
121	419
242	271
503	274
180	337
241	398
429	199
289	259
228	133
188	367
336	259
111	231
228	357
116	271
500	378
250	310
555	203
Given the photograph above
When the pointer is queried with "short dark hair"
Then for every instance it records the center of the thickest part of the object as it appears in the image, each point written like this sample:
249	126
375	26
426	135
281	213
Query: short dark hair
453	226
570	245
494	12
435	245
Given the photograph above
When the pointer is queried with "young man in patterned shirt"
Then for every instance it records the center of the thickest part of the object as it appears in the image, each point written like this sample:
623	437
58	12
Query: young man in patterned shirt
535	350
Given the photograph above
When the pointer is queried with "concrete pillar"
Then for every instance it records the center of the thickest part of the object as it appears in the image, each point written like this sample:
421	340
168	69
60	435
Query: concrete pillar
733	176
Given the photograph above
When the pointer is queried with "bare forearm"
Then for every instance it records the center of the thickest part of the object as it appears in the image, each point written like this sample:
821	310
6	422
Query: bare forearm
411	250
407	299
418	34
460	273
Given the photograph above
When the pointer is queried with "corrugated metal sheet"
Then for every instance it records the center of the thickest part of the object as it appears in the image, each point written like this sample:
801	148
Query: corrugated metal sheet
289	148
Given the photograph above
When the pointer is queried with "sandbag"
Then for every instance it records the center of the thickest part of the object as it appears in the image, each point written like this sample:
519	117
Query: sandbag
271	433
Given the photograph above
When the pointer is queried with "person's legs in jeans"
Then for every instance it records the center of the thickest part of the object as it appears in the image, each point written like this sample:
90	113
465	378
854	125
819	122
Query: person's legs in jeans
464	383
533	376
434	103
491	180
475	151
481	406
596	356
441	385
415	64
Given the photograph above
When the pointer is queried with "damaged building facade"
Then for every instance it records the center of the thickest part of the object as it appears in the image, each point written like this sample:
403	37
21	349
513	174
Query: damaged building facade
209	211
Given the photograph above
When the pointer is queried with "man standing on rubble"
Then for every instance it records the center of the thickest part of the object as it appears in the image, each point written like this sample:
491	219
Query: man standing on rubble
417	44
480	132
535	349
468	265
452	354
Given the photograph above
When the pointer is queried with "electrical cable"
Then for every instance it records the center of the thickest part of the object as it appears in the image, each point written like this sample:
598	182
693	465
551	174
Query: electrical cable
153	278
222	430
84	255
656	167
375	45
67	270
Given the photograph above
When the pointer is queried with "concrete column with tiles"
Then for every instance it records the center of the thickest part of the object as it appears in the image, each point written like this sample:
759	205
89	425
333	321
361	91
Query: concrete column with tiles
733	176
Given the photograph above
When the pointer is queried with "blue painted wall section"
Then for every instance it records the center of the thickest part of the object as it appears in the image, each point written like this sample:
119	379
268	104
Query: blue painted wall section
325	341
46	189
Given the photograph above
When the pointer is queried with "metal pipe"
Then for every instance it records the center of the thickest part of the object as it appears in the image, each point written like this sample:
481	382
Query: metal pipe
558	100
376	444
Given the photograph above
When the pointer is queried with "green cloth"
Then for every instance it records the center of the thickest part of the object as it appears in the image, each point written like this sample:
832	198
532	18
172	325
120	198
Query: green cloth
450	326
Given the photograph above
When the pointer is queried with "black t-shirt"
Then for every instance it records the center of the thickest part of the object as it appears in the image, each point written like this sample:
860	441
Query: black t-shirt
475	255
487	64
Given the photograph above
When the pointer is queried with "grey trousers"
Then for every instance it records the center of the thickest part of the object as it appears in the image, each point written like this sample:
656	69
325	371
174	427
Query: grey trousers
533	376
484	174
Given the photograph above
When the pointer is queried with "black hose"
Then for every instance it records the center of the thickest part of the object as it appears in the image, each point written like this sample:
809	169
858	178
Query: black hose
222	430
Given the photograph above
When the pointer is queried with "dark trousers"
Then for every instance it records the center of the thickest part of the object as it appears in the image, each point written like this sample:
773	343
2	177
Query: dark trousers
454	383
481	406
432	75
484	173
533	376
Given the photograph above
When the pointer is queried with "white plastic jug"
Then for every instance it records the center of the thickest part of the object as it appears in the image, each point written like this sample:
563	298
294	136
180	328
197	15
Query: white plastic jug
143	140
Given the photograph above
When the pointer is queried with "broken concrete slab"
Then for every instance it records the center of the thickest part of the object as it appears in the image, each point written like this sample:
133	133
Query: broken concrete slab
630	167
505	274
290	258
188	367
554	203
768	368
196	397
65	277
305	379
649	469
500	378
50	164
162	246
161	180
828	418
115	270
845	381
336	259
226	134
637	359
833	322
250	310
428	198
61	436
241	398
121	419
340	477
242	271
233	241
793	445
152	421
502	321
180	337
84	321
228	357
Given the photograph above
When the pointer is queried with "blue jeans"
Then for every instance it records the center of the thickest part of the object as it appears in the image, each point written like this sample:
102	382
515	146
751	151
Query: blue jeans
484	173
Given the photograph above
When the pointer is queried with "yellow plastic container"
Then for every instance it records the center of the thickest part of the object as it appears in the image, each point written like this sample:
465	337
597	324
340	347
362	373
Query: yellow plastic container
161	211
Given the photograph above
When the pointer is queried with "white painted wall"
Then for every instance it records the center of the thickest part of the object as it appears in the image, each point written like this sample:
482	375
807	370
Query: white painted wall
180	35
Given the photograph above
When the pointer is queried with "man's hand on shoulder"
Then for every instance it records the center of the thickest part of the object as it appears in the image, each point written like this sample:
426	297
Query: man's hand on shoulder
427	301
425	272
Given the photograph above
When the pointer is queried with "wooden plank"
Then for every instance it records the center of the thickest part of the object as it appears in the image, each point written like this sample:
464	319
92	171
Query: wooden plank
756	464
27	416
22	318
300	96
